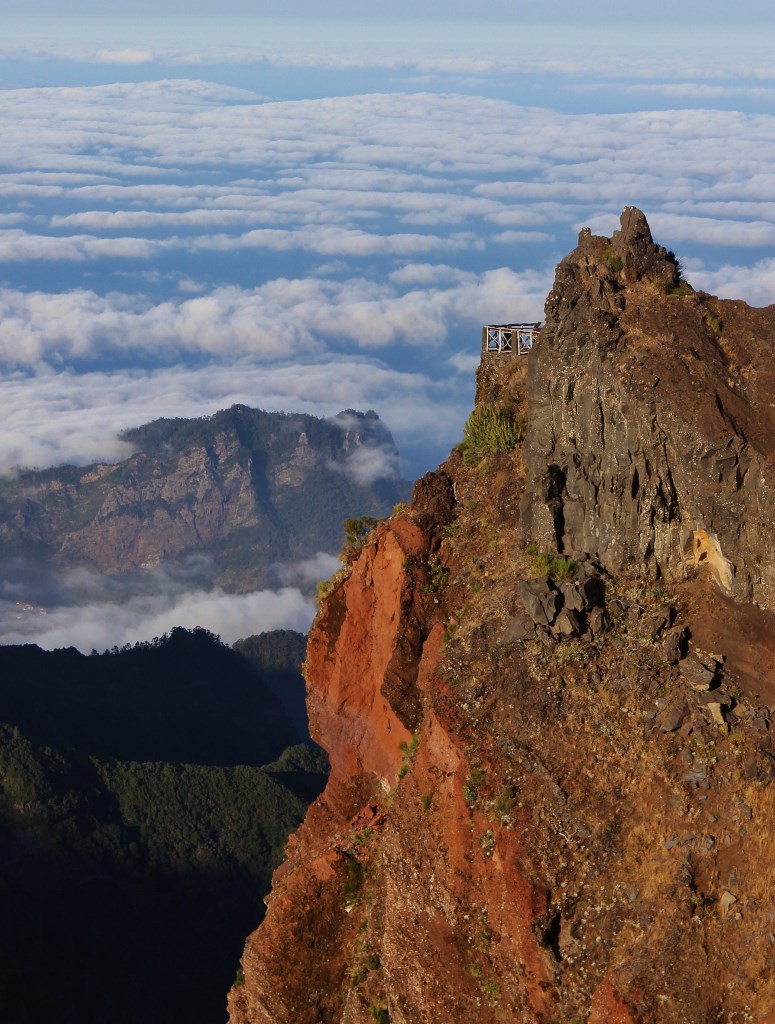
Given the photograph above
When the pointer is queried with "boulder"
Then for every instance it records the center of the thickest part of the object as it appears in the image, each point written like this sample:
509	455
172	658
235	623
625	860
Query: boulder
540	601
670	719
518	628
572	598
657	622
597	621
568	623
716	713
674	644
698	676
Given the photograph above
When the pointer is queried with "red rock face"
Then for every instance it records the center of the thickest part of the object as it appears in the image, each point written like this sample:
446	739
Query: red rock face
372	659
365	639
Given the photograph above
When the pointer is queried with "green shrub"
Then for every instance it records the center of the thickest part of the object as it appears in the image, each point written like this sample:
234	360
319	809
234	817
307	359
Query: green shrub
492	991
505	802
559	567
362	837
472	784
353	885
612	260
409	750
438	577
356	530
490	428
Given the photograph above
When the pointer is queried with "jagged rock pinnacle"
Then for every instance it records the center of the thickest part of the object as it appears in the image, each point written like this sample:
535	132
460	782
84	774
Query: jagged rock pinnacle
639	386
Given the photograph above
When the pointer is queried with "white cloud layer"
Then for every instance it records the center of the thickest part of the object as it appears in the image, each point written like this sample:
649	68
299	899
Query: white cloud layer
74	418
283	317
601	41
101	625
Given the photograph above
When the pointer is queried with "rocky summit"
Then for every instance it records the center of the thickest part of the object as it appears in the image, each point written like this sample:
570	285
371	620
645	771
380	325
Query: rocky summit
546	688
247	489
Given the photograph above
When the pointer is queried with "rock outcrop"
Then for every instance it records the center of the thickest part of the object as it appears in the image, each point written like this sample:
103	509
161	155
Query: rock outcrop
650	433
547	708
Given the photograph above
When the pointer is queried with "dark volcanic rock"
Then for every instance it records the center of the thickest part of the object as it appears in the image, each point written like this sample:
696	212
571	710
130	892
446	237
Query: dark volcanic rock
568	623
541	602
519	627
433	500
673	645
648	441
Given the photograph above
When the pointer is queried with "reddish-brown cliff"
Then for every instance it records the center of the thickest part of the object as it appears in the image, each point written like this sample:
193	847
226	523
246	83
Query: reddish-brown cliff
550	796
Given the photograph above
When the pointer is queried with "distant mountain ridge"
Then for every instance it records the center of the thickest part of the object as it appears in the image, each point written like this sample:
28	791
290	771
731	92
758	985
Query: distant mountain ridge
245	487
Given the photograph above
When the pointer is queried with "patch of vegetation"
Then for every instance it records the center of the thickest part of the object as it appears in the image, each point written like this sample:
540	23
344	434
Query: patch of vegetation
356	530
679	270
409	749
353	883
380	1014
362	837
451	529
571	652
492	992
324	587
504	803
487	843
557	567
489	429
673	290
438	577
612	259
472	785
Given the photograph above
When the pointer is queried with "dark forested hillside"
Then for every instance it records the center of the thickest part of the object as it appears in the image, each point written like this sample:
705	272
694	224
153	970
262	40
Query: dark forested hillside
186	697
129	878
278	655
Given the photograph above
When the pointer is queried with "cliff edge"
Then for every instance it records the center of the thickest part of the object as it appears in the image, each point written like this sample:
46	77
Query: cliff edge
545	688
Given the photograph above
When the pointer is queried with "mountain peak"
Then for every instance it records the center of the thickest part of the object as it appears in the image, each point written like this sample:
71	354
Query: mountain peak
540	790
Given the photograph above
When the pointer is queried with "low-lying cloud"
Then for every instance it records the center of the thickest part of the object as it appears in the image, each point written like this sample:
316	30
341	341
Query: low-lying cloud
71	417
102	625
124	56
307	315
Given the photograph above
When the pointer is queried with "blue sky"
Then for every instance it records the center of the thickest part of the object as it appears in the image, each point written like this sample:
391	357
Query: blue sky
319	213
696	13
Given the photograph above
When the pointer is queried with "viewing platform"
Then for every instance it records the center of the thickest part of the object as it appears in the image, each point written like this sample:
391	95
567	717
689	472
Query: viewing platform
510	339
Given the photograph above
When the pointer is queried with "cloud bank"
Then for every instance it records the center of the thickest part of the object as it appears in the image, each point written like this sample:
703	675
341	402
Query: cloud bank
101	625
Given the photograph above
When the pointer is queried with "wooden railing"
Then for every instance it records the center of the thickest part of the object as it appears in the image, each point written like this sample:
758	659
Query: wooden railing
510	339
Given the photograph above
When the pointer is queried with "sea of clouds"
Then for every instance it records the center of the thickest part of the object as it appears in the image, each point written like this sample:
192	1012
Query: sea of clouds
304	219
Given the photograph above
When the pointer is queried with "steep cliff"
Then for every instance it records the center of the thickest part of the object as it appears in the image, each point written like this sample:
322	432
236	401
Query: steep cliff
545	691
247	488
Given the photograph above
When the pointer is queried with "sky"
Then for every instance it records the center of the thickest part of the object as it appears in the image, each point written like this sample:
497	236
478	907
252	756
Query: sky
312	214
